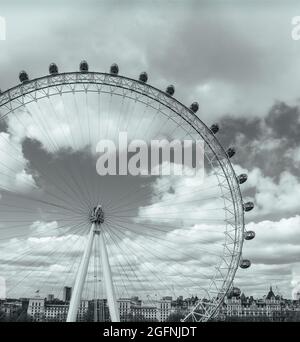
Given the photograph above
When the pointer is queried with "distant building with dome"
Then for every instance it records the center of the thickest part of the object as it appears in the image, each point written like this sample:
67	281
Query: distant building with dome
269	308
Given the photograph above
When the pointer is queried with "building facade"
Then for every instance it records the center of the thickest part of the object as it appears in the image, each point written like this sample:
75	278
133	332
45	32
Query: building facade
133	309
40	310
10	307
36	309
98	311
269	308
67	292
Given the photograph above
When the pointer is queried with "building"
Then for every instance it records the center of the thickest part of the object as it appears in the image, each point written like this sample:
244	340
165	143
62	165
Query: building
41	310
125	306
50	297
67	294
148	313
98	311
36	309
56	312
269	308
134	309
236	307
10	308
164	307
180	307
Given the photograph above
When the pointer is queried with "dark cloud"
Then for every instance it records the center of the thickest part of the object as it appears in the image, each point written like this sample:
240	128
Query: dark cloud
263	142
284	120
232	128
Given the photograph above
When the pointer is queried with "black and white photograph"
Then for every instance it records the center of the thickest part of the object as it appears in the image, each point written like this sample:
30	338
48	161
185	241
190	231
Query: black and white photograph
149	164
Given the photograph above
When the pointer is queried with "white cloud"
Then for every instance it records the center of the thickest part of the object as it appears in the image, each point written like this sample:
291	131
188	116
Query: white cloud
14	176
187	200
271	196
44	228
274	254
294	154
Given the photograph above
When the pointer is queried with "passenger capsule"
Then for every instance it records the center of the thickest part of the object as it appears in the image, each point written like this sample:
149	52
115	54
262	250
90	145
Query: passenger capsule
143	77
242	178
245	263
194	107
235	292
231	152
53	69
214	128
23	76
84	67
170	90
114	69
248	206
249	235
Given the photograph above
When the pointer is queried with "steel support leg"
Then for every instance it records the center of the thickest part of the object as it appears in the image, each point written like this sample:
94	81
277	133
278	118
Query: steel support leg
110	292
80	278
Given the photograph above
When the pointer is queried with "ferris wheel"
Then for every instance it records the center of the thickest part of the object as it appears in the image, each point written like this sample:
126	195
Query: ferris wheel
113	237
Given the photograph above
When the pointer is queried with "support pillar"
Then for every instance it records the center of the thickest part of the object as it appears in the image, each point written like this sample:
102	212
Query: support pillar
80	278
110	291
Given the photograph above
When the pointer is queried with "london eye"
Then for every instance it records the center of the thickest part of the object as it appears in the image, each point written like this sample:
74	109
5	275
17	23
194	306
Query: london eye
112	237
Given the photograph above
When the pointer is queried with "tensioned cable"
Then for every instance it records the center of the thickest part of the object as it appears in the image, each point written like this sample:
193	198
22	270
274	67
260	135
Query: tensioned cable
139	245
139	281
69	169
26	252
45	174
160	229
160	239
35	264
69	247
161	281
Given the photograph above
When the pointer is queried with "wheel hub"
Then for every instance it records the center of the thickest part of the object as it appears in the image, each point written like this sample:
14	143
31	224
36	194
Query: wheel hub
97	215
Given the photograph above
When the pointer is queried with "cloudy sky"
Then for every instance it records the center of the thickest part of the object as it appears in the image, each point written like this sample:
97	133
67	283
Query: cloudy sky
236	58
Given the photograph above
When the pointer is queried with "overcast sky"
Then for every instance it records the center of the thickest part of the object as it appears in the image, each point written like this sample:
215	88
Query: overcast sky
236	58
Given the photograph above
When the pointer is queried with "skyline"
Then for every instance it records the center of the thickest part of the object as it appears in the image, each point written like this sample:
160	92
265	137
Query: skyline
273	287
